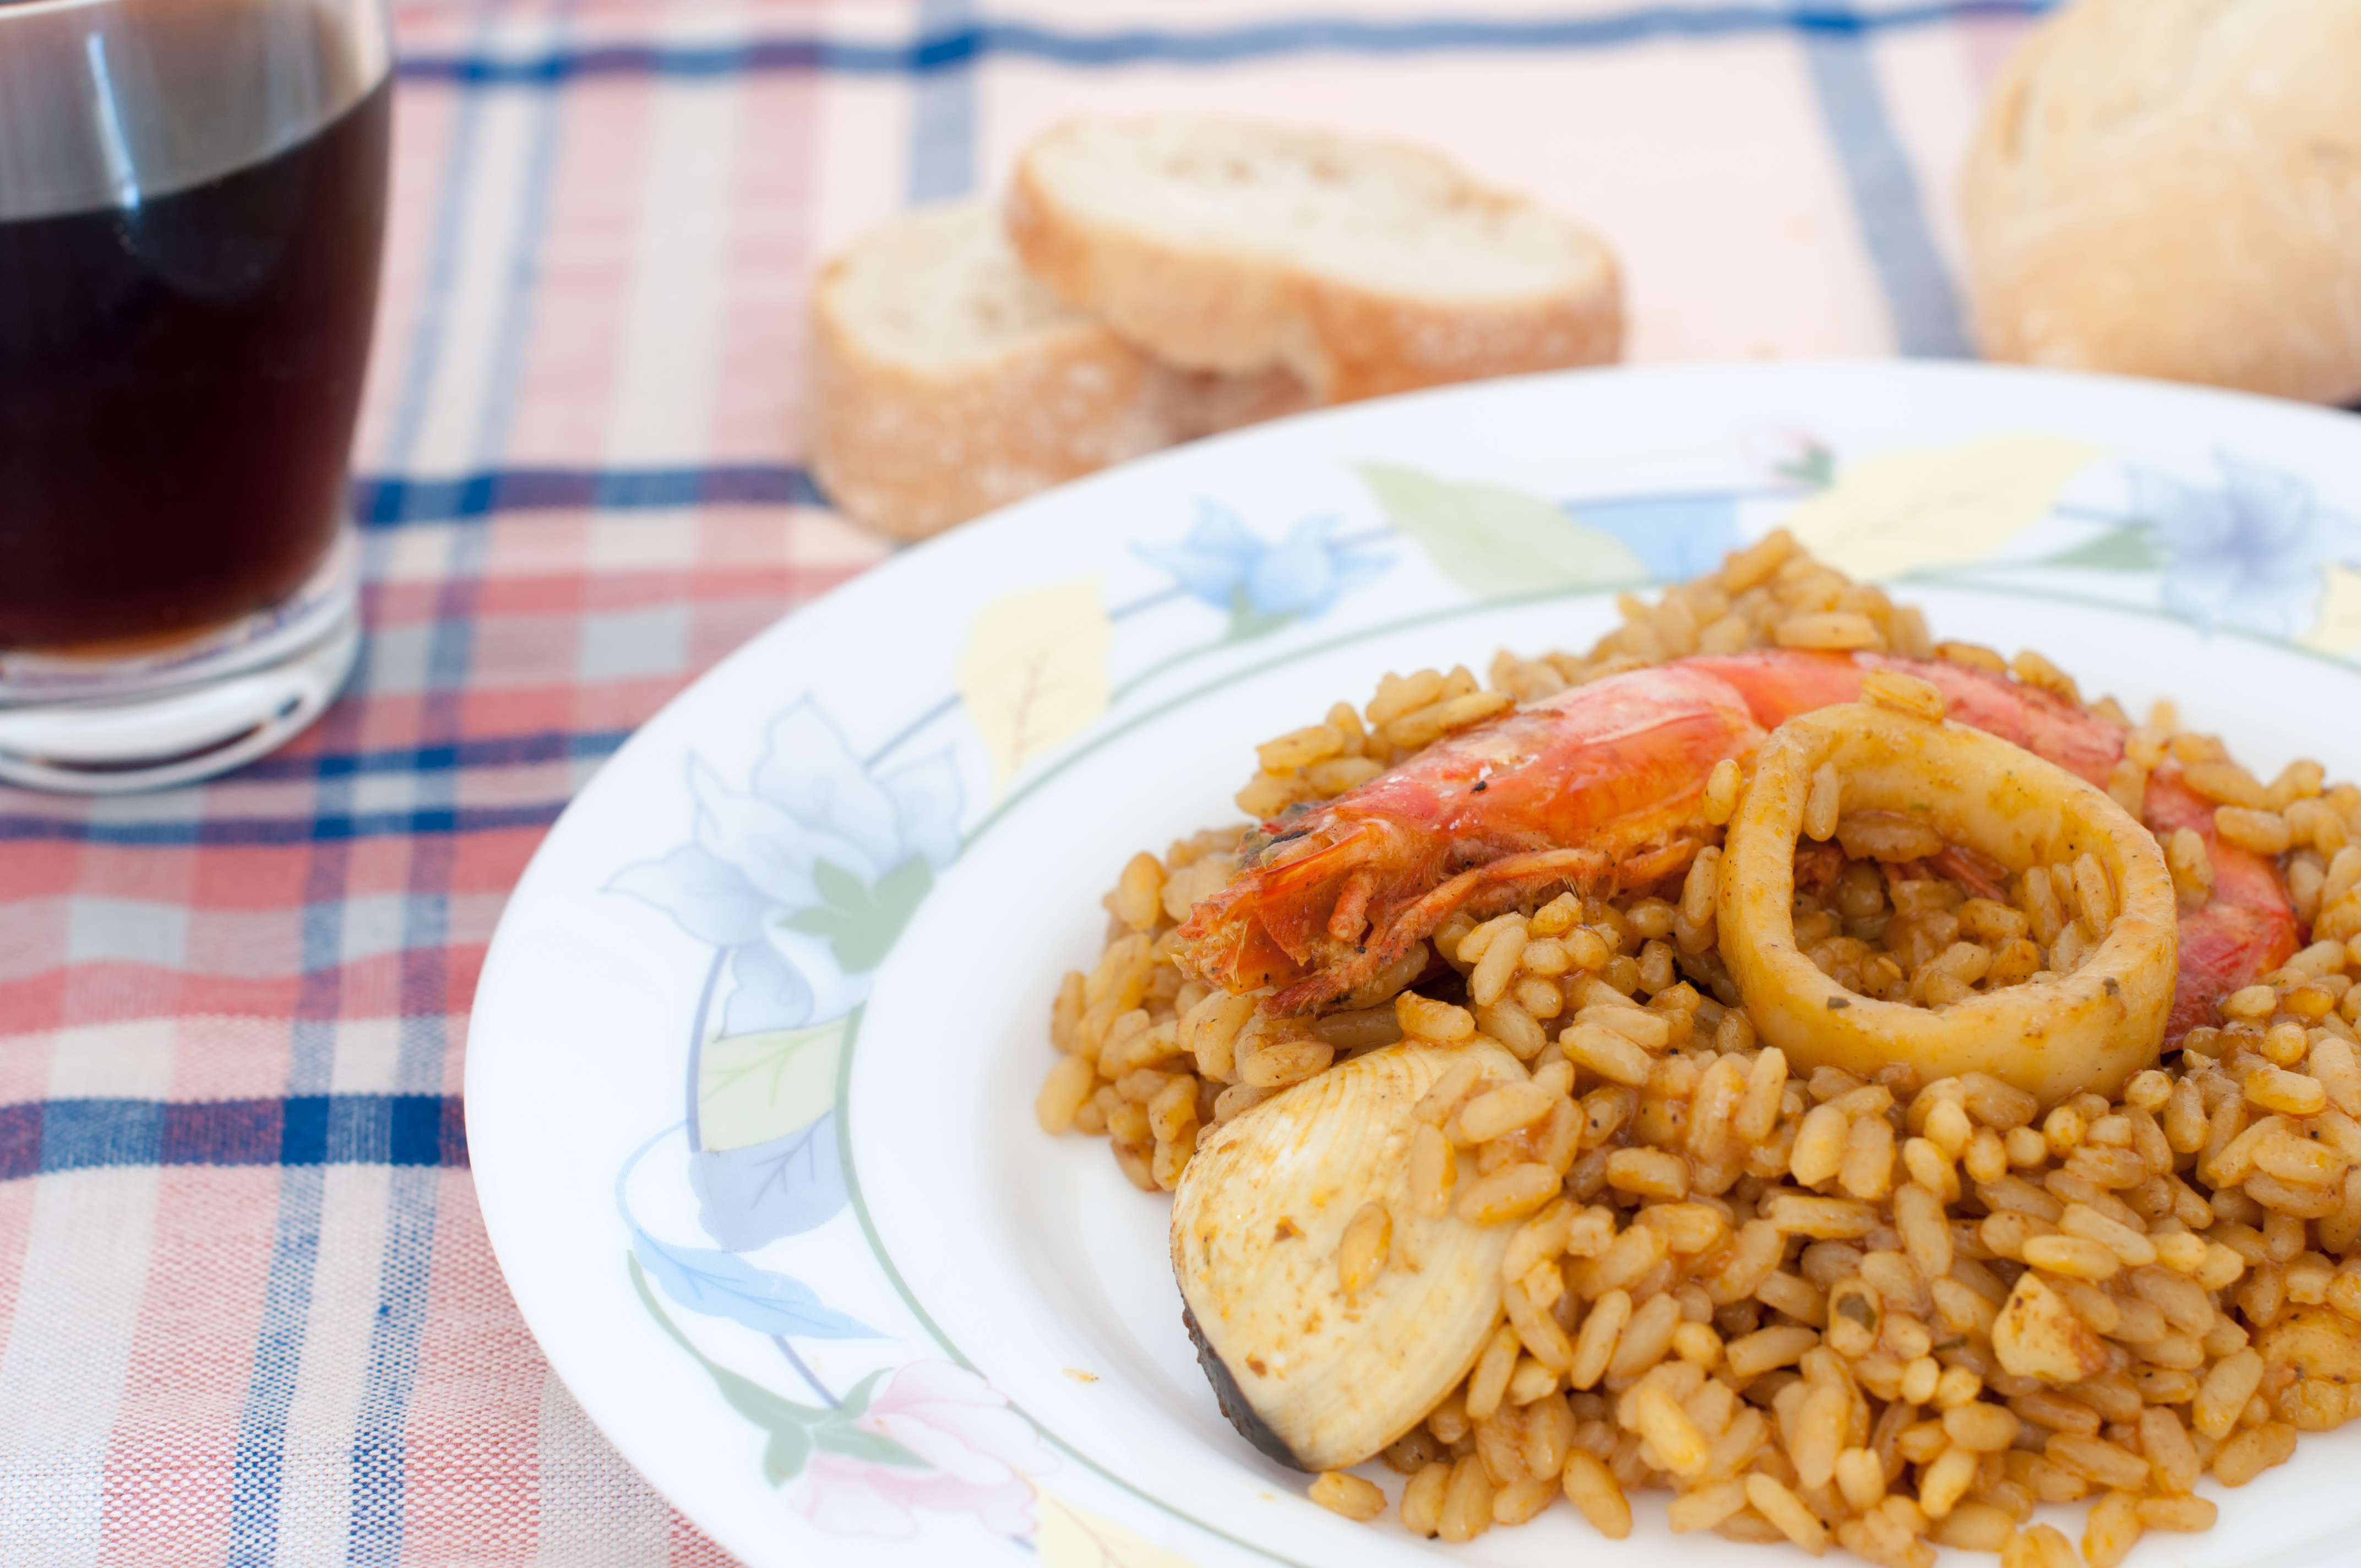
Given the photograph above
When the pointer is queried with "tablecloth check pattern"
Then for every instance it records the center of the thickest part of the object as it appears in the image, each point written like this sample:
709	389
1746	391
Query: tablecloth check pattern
248	1311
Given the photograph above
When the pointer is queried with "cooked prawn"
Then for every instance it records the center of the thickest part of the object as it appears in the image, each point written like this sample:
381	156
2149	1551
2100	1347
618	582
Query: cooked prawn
1601	788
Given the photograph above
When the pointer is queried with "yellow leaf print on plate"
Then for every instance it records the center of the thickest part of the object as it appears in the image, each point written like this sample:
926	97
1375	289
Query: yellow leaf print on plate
1076	1538
2338	630
754	1088
1906	511
1034	670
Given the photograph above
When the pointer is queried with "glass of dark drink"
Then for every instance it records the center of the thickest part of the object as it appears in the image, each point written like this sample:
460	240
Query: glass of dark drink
192	204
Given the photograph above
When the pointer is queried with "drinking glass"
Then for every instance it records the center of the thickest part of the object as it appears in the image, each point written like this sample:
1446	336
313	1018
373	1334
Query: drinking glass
192	206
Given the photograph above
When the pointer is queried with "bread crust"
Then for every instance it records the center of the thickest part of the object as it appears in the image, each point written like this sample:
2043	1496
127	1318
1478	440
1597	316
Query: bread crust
913	433
909	451
1240	310
1376	345
2172	188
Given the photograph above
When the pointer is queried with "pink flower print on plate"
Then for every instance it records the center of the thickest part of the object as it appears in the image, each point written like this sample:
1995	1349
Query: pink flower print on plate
977	1450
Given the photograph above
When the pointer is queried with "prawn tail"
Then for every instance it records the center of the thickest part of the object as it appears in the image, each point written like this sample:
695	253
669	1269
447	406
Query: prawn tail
1297	900
1292	915
1479	891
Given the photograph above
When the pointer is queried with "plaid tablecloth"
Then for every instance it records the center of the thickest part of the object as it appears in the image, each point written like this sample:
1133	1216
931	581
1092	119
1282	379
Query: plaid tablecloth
247	1312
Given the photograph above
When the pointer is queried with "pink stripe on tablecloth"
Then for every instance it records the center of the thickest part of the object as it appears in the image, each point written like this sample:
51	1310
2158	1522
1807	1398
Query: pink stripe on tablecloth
34	928
152	872
759	381
569	371
474	1405
35	1004
425	115
174	1445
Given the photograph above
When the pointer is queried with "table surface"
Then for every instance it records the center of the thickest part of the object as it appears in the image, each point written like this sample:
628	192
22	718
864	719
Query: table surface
248	1311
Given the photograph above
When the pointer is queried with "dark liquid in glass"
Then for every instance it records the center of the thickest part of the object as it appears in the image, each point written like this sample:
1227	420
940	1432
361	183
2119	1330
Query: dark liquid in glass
178	385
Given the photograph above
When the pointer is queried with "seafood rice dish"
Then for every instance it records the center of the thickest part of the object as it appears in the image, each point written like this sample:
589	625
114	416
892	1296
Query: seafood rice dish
1848	1081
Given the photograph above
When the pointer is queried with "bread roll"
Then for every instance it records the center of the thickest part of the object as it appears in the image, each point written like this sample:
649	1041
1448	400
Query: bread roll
1360	267
2173	188
946	381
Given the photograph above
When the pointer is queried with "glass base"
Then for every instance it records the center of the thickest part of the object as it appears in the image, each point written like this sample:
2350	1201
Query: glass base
176	714
305	617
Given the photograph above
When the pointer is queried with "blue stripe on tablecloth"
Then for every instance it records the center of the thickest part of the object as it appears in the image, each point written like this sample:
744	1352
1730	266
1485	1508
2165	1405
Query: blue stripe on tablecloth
334	825
1921	301
504	751
442	266
950	51
942	112
515	330
302	1194
380	1436
44	1137
496	752
377	1477
278	1362
389	500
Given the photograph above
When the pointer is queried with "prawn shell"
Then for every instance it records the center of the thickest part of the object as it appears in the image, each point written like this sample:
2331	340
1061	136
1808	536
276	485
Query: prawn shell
2088	1030
1328	1380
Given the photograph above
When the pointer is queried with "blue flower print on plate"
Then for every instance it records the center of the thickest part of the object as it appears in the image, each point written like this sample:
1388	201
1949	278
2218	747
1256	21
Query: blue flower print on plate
1675	537
807	878
2250	554
1262	585
803	881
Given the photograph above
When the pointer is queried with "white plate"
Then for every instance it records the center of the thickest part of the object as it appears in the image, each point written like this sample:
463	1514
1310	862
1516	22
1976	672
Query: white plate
750	1074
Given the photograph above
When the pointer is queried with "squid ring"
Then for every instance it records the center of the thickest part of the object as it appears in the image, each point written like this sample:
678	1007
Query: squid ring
2090	1029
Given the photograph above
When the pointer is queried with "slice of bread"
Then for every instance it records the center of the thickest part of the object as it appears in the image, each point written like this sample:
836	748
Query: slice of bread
945	380
1361	267
2173	188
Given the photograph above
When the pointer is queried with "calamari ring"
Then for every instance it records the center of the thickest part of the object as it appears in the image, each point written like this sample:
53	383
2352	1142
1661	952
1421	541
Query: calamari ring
2090	1029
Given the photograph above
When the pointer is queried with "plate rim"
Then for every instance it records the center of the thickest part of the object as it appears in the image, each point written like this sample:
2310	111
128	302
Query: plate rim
504	960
